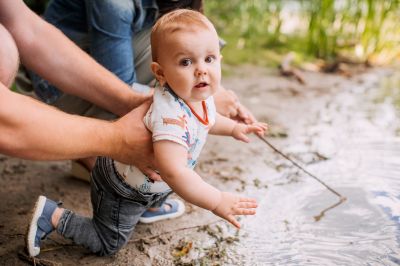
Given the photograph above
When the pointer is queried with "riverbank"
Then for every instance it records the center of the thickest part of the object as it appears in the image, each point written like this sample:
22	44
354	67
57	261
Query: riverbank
301	120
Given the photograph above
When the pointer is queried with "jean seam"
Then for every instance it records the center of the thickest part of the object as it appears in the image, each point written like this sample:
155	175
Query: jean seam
62	224
118	225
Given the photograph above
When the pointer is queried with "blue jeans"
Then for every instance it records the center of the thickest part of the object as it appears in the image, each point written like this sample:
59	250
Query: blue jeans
116	211
103	28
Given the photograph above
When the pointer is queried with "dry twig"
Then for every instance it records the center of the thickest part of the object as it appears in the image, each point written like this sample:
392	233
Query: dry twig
36	261
288	70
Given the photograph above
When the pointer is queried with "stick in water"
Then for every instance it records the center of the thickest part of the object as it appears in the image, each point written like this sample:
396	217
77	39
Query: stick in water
342	198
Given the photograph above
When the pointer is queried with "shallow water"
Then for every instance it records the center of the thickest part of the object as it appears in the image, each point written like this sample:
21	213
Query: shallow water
358	135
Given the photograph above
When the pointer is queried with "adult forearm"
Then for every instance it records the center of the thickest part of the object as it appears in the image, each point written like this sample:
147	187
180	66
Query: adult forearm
32	130
45	50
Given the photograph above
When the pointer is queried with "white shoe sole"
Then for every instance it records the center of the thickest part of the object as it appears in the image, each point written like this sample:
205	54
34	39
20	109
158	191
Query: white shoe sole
32	229
181	210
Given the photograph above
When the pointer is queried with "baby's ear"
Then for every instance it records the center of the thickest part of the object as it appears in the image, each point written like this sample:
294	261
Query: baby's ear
158	72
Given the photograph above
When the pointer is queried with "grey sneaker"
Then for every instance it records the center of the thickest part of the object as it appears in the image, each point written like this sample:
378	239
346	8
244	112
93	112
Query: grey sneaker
40	225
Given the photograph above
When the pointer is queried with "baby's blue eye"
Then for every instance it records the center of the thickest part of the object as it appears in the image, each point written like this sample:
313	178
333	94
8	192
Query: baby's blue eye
210	59
185	62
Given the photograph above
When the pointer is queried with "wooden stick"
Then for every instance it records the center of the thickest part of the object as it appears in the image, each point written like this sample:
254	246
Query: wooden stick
342	198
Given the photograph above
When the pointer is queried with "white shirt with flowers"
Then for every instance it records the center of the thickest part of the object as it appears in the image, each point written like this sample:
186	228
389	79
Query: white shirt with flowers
170	118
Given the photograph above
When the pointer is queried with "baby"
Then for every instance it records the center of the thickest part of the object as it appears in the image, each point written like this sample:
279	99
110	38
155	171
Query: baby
186	63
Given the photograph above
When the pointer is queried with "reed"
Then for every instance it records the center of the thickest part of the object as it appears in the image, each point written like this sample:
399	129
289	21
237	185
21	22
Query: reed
358	30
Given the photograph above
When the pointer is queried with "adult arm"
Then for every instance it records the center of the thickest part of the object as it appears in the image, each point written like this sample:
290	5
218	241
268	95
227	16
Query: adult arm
228	105
45	50
32	130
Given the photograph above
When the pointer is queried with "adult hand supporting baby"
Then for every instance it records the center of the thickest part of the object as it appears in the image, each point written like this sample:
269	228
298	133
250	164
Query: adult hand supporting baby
136	143
228	105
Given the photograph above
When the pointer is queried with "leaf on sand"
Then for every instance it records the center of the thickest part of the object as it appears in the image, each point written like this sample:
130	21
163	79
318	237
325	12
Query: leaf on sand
182	249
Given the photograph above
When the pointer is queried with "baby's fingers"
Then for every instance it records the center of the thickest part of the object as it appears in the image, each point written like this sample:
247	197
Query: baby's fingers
255	129
244	211
233	221
248	203
242	137
245	199
264	126
245	208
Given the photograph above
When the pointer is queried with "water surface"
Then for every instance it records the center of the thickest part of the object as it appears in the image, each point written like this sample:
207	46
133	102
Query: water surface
358	135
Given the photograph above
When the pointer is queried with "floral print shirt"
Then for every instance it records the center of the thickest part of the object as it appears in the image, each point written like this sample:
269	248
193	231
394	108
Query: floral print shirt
170	118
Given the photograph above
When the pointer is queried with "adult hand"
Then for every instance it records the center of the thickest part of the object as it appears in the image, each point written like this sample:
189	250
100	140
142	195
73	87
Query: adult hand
138	98
136	146
228	105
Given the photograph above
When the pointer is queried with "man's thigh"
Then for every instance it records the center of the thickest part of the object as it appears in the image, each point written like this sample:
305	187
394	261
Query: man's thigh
70	17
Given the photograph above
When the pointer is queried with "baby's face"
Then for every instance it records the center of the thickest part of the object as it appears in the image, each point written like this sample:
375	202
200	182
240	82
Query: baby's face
191	63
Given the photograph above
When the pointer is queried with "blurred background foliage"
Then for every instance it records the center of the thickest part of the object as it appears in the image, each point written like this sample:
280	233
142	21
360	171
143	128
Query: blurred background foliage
262	32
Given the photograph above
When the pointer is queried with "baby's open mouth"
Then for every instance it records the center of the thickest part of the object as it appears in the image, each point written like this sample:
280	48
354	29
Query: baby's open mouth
201	85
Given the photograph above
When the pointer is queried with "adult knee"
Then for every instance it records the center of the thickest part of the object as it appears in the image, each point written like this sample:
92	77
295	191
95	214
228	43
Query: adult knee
9	61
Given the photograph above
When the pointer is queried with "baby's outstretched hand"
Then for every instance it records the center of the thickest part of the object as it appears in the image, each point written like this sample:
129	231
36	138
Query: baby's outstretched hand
240	131
231	205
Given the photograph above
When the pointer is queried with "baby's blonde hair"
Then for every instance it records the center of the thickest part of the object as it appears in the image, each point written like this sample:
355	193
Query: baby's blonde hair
180	19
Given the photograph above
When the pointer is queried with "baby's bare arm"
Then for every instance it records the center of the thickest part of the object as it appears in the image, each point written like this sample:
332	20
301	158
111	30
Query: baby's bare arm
227	127
171	161
223	126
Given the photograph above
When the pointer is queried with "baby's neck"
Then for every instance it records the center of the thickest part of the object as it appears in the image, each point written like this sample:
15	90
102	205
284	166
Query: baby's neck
197	107
200	111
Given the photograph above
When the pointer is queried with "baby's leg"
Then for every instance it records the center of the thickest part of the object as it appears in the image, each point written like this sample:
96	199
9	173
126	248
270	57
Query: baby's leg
79	229
114	219
108	231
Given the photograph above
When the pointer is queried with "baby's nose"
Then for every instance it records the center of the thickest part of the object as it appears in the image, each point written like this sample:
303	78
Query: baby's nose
200	72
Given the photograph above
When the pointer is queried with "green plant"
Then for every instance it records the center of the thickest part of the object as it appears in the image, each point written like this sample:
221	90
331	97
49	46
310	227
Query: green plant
359	30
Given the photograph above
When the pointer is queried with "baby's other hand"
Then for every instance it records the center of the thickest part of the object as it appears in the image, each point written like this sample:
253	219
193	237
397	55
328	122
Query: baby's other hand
241	130
231	205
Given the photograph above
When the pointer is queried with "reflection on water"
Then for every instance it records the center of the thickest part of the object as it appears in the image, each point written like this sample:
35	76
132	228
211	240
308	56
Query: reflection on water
318	217
365	168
